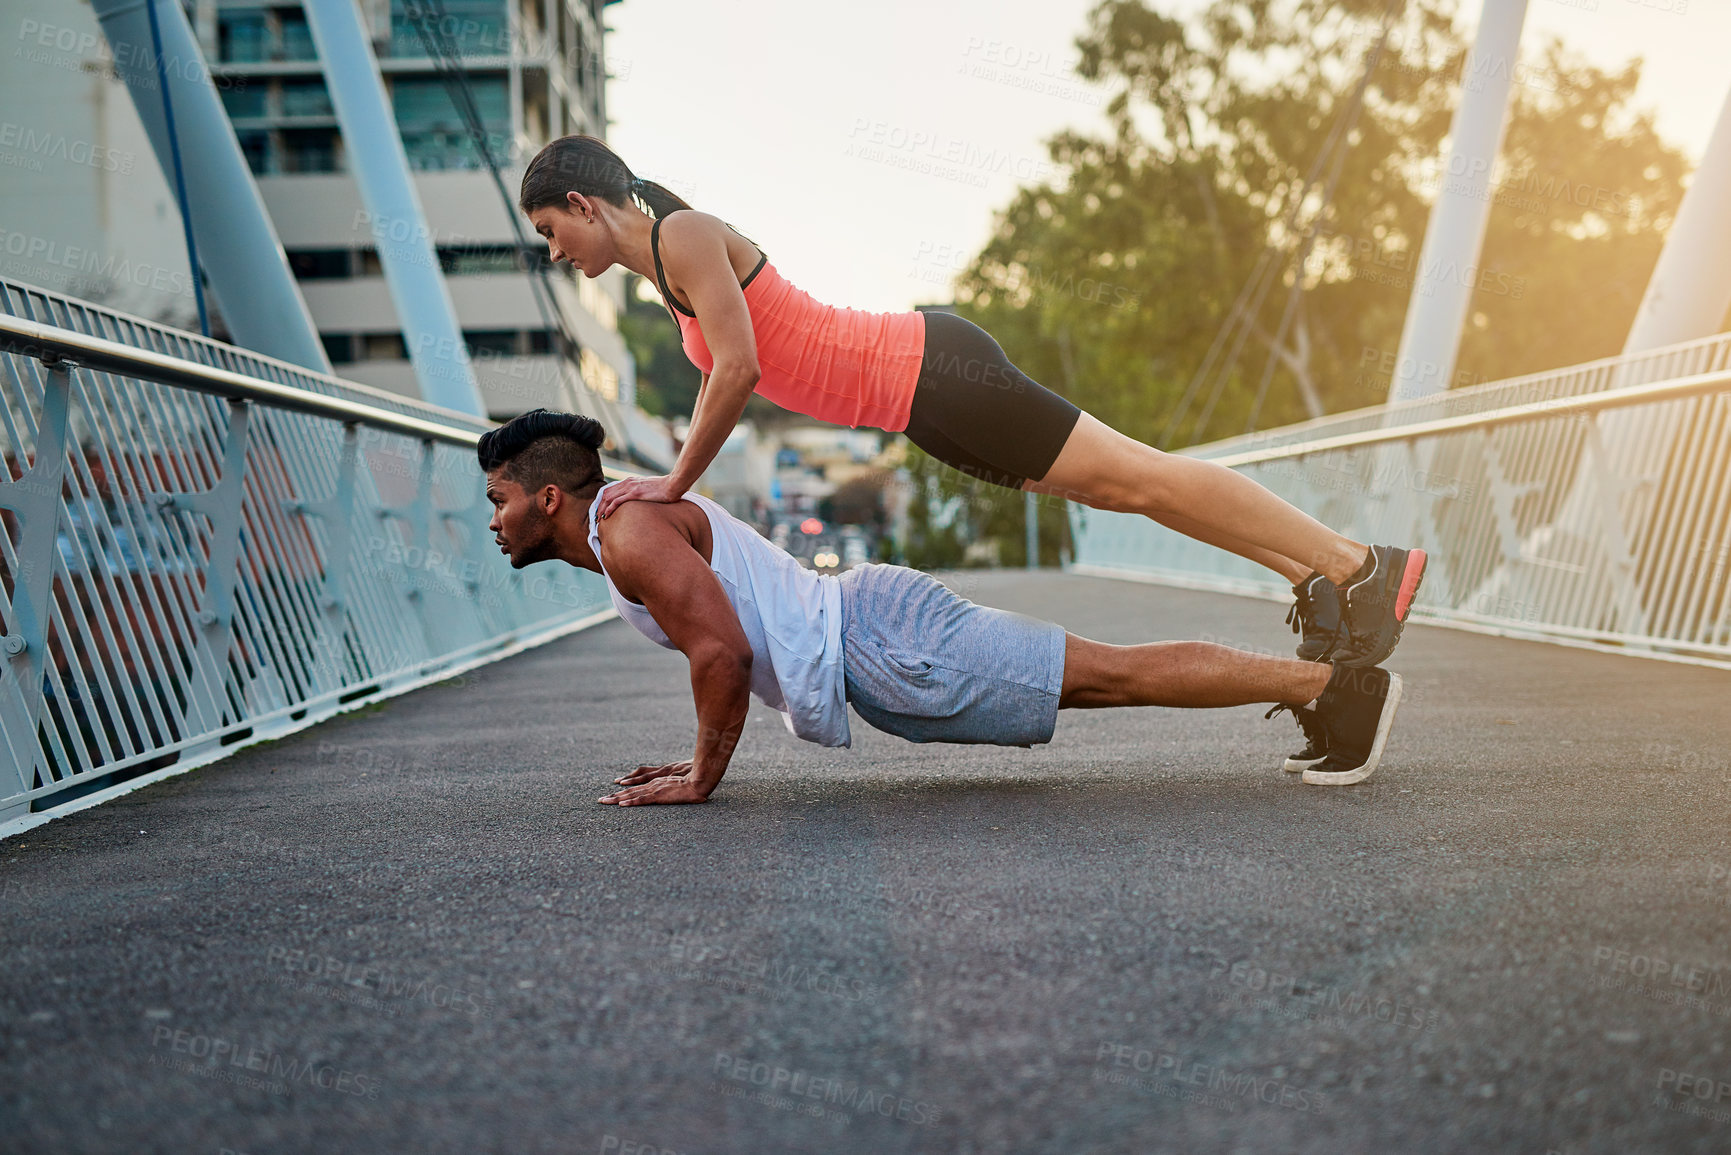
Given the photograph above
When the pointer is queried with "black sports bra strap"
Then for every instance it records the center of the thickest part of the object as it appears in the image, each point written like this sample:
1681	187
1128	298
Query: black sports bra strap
762	260
660	274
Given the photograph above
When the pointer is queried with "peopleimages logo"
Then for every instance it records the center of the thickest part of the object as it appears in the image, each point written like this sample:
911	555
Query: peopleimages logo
842	1092
220	1055
1695	1086
38	42
1661	971
1325	999
772	975
1699	1095
46	254
1204	1077
346	973
30	142
879	139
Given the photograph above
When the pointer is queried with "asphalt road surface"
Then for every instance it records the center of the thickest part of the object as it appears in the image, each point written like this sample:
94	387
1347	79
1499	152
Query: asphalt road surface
411	929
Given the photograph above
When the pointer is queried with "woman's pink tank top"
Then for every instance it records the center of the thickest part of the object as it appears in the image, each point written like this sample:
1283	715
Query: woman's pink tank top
843	366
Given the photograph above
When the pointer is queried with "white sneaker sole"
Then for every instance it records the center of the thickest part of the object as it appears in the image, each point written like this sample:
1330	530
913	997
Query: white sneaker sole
1383	725
1294	765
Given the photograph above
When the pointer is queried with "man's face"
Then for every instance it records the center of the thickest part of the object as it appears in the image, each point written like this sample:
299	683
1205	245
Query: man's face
521	523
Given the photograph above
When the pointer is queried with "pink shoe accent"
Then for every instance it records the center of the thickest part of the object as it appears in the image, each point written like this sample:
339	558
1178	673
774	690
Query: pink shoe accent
1409	583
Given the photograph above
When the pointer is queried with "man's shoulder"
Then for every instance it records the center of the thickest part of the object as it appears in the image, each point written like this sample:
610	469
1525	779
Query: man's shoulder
638	529
632	523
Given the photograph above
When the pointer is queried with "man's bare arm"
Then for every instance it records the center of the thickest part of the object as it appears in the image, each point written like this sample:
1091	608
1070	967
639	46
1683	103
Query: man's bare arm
653	563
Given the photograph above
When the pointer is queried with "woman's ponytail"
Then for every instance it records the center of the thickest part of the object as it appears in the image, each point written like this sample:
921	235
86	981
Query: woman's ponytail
586	165
658	200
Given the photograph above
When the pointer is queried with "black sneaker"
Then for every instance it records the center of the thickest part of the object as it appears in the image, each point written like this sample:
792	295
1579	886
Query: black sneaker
1316	615
1315	738
1357	709
1374	606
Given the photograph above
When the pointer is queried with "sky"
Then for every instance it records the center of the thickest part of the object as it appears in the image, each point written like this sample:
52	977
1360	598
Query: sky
865	148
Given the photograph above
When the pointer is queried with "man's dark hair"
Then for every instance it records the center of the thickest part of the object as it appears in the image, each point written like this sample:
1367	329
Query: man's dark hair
542	448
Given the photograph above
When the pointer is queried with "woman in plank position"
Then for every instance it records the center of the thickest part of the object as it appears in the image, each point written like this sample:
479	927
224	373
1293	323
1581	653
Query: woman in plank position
946	384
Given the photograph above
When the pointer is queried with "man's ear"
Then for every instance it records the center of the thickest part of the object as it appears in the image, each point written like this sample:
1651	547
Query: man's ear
551	499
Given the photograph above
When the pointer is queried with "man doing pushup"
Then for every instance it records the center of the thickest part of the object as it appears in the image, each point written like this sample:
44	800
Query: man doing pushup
913	658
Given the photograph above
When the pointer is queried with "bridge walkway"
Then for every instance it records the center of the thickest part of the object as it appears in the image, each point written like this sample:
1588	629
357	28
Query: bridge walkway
411	929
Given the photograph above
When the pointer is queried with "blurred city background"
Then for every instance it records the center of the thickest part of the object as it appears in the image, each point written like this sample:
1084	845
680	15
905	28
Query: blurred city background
1102	185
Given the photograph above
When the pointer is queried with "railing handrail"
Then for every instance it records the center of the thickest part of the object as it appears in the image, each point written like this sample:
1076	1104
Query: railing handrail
1465	395
212	548
1584	506
53	344
1651	393
34	339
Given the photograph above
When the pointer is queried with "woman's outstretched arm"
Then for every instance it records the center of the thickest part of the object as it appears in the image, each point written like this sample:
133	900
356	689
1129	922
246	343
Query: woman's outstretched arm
695	254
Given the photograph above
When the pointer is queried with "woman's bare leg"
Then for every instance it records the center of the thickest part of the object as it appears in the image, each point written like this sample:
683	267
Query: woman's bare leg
1292	571
1195	675
1101	467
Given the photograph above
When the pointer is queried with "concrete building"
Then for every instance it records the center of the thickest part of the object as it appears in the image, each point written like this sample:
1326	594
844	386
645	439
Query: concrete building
85	208
536	70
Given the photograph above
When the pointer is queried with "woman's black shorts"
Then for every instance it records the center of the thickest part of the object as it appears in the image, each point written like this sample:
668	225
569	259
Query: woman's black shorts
976	411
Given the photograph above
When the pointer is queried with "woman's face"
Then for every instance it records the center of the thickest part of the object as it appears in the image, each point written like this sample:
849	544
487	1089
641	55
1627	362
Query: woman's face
571	238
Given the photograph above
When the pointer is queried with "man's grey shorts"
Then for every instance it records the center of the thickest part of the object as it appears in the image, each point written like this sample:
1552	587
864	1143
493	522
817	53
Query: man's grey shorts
928	665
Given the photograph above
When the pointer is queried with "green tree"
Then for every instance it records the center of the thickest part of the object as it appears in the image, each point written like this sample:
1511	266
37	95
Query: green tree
1589	193
971	510
1112	285
666	381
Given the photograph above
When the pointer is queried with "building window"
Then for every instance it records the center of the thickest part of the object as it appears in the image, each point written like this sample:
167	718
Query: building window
601	378
306	98
384	347
594	298
435	135
472	259
491	342
255	146
339	347
243	102
309	150
242	38
319	264
297	37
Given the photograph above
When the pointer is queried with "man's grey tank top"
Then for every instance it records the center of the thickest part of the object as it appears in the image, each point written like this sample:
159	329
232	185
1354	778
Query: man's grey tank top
790	615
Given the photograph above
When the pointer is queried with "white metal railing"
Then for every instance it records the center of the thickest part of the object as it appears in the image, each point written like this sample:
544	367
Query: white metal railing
204	547
1591	505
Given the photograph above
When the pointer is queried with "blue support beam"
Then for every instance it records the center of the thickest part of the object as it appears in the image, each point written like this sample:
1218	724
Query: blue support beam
238	247
374	152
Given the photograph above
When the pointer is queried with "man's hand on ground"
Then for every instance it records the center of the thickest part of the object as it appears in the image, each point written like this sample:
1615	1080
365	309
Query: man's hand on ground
659	489
649	785
645	773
